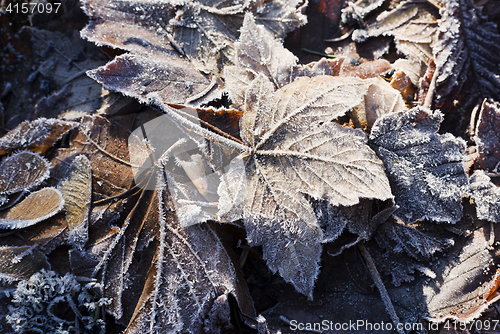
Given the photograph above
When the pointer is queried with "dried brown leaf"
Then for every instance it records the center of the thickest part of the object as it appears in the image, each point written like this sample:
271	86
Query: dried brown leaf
203	31
37	135
22	171
467	282
19	263
137	247
76	188
35	208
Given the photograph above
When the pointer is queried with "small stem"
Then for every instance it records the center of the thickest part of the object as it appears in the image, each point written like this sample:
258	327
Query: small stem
380	285
430	92
196	128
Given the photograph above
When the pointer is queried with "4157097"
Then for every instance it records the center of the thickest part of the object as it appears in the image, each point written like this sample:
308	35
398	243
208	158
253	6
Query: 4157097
32	7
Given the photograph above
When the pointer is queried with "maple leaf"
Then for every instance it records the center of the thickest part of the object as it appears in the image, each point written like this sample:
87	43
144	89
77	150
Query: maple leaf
178	272
424	168
295	149
466	54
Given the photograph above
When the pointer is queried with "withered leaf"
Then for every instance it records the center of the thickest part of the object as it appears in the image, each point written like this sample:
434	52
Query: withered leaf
424	168
23	171
467	53
486	196
18	263
35	208
256	51
161	276
487	136
190	262
37	135
380	99
170	79
76	189
467	282
296	150
203	30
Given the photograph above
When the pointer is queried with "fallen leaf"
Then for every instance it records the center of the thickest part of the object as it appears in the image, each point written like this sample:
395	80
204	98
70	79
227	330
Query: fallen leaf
486	196
424	168
76	189
19	263
37	135
23	171
171	79
135	236
35	208
465	54
467	281
380	99
203	31
290	152
487	136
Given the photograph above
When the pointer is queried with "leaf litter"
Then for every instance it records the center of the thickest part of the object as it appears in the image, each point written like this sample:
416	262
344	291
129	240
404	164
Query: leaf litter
299	161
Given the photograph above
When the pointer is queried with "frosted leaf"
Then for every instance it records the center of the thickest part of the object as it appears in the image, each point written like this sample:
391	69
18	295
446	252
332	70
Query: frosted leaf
169	78
203	31
190	274
466	54
424	168
76	189
486	196
19	263
466	281
23	171
487	136
37	135
399	237
159	275
412	24
380	99
258	52
297	150
35	208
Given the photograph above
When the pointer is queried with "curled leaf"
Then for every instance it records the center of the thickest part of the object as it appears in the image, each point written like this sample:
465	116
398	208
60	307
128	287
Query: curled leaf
22	171
486	196
487	136
35	208
37	135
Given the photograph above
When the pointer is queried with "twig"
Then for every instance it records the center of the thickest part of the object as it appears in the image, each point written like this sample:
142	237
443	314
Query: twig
430	92
380	285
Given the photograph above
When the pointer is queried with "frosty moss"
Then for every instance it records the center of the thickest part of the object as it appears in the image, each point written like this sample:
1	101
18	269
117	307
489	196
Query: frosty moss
48	303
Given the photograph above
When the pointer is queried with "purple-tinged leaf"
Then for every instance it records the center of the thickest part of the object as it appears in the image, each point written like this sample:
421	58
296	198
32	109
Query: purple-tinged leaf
424	168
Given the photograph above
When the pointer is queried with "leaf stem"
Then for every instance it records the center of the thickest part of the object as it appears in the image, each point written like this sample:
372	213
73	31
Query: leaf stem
202	131
380	285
